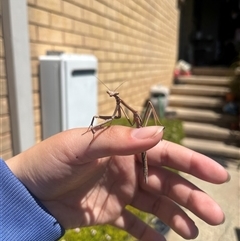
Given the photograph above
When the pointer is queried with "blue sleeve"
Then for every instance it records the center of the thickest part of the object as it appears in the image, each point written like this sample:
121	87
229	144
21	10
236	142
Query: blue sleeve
22	216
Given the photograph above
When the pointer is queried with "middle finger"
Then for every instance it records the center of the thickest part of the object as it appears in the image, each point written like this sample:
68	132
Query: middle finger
164	182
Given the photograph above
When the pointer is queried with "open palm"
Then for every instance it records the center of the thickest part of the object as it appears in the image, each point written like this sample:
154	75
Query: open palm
84	181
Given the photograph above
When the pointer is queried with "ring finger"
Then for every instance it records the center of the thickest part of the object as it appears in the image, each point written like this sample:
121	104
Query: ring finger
167	211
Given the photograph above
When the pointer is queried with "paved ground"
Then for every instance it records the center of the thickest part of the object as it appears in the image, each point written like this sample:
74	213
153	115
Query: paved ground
228	197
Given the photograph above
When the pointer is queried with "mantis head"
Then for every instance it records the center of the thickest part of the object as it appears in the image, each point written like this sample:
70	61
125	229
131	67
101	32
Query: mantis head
112	93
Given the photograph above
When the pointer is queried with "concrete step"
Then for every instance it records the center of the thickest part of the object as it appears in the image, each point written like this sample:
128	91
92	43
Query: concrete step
196	101
213	71
197	115
199	90
204	80
210	147
211	132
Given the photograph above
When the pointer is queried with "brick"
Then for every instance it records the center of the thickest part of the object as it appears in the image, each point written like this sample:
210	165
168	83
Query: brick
100	54
3	87
72	10
101	76
73	39
38	16
99	7
4	124
61	22
4	106
111	13
102	98
97	31
118	5
111	56
35	67
92	42
52	5
2	68
118	66
116	46
110	76
122	56
6	142
5	155
1	24
50	35
31	1
83	51
105	44
85	3
105	66
38	140
36	100
64	48
38	132
106	2
37	115
83	28
35	84
111	35
33	32
90	16
131	43
2	52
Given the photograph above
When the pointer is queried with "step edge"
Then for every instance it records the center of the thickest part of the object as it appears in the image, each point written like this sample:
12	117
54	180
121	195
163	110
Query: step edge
229	151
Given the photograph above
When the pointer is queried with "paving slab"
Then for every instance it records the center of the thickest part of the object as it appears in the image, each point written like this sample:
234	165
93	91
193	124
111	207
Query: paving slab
228	197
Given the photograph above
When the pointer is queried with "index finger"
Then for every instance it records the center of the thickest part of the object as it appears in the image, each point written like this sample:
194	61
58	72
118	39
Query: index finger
175	156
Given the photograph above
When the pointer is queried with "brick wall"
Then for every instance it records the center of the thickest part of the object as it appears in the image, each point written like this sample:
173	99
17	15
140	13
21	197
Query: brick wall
5	130
134	40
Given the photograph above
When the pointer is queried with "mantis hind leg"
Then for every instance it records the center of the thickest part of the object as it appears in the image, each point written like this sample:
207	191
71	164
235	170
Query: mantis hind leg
150	111
147	114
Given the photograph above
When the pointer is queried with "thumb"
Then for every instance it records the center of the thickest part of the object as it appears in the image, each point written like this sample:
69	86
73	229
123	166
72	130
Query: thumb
114	140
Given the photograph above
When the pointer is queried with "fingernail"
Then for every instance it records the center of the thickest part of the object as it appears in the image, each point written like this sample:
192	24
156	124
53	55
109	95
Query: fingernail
147	132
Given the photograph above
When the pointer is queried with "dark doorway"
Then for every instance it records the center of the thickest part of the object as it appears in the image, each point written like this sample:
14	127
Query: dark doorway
210	32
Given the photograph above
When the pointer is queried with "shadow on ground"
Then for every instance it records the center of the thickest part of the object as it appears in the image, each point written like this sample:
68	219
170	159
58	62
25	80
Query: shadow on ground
237	230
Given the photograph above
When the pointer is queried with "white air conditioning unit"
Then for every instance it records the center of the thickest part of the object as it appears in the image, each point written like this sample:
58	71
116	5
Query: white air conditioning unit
68	92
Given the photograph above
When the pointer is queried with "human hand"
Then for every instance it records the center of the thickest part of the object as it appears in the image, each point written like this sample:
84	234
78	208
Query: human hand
84	181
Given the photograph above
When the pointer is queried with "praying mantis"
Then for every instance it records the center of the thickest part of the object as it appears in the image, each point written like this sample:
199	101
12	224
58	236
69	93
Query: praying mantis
137	120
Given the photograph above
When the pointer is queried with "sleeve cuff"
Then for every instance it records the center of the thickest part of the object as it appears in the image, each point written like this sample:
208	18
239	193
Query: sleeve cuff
22	216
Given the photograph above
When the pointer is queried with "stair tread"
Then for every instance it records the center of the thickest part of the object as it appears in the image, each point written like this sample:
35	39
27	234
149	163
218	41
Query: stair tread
195	111
200	90
200	87
196	100
204	129
213	147
198	115
193	97
205	80
213	71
